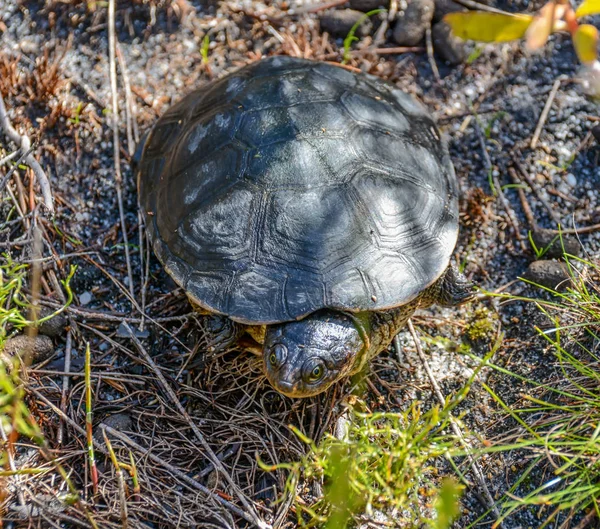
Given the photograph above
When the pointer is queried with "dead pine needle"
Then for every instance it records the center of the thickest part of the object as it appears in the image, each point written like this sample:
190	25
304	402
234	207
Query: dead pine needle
88	420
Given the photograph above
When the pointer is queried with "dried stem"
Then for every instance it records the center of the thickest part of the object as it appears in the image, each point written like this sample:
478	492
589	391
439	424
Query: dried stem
23	142
112	40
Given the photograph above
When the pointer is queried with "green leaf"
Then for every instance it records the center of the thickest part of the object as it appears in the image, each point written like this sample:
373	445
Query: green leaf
589	7
585	41
488	27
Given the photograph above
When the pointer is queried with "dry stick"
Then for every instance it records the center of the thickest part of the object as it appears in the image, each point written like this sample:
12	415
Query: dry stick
115	124
9	157
122	437
430	56
68	349
553	215
131	146
211	455
105	316
24	143
526	208
379	38
457	431
512	218
576	231
544	115
65	384
128	107
399	50
6	178
393	10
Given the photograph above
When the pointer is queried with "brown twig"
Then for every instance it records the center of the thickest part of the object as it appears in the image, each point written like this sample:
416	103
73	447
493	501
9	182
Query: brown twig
112	43
400	49
526	208
430	55
544	114
129	117
24	143
553	215
576	231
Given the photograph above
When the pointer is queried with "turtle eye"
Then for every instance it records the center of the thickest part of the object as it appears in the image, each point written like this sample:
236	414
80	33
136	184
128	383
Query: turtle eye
278	355
314	371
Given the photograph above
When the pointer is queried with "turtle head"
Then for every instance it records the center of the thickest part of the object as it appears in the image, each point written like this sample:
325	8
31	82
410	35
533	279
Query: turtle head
303	358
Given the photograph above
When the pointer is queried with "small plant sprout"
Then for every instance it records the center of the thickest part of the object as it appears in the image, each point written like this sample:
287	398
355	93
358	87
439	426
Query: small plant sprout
204	49
554	16
75	120
88	419
351	37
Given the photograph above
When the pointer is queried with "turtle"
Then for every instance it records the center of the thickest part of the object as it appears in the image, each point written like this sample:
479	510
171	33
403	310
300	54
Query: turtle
307	211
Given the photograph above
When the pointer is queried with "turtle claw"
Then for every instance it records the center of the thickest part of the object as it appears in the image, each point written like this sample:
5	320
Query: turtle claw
455	288
223	333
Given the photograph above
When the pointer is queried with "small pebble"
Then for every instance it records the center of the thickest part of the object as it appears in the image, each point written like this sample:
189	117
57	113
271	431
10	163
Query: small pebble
85	298
119	421
450	48
39	347
412	23
550	274
543	238
339	22
53	327
571	180
443	7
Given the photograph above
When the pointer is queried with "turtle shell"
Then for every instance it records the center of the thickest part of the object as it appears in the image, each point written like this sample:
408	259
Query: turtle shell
291	186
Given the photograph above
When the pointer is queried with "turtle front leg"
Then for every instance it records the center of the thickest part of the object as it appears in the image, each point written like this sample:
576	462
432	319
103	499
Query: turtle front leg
223	333
453	288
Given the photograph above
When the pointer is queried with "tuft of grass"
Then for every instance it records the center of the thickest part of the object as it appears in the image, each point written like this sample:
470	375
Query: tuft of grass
560	420
13	302
387	463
